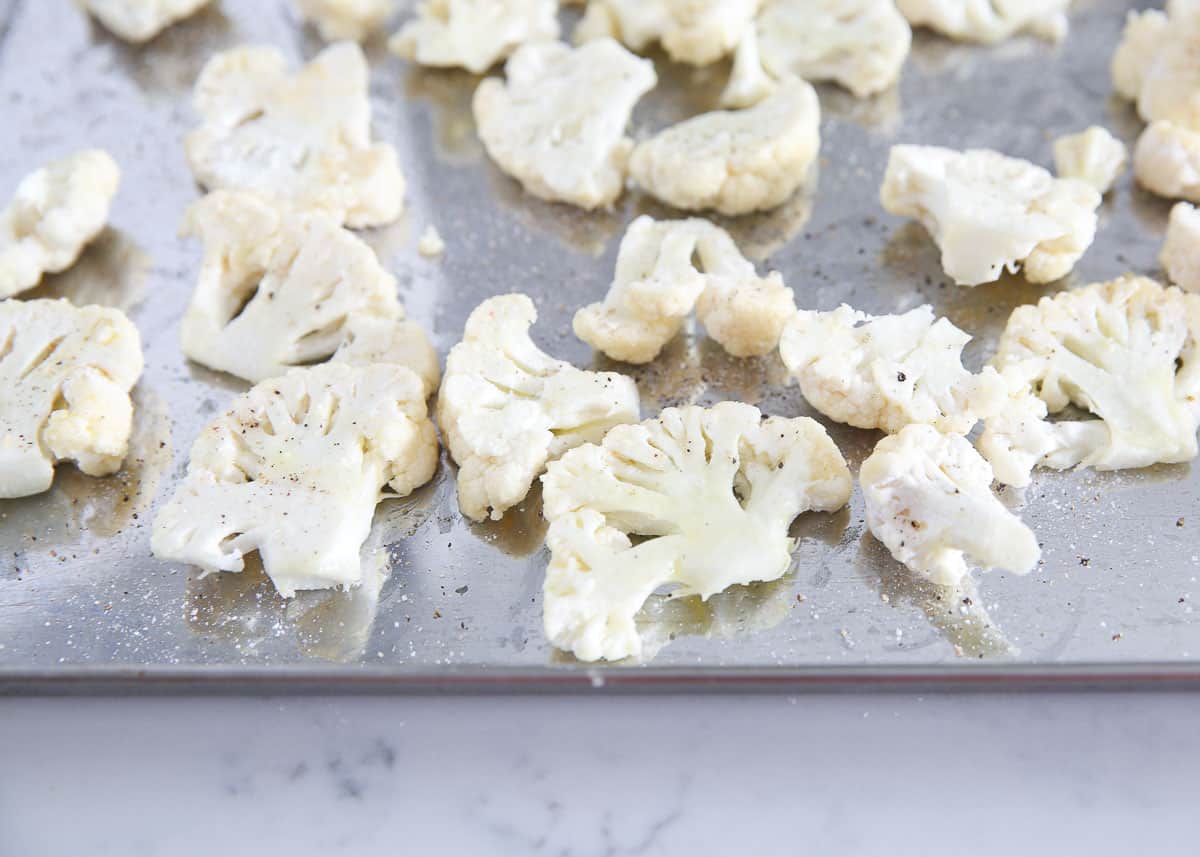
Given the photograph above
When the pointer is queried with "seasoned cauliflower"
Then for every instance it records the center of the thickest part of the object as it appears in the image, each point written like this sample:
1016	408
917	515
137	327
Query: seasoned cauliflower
658	283
928	498
506	407
56	211
713	491
336	20
1180	256
697	32
887	372
989	212
1166	161
141	20
989	21
280	288
1094	156
558	125
302	138
474	34
734	161
294	470
1128	351
67	372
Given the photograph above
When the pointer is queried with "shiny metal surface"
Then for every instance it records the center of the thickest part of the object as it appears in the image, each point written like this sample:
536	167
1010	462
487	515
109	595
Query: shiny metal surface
81	599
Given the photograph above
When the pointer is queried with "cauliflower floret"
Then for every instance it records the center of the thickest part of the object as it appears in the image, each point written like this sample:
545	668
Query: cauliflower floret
1094	156
657	284
1128	351
54	214
294	470
1157	65
474	34
928	498
1166	161
141	20
748	81
302	138
558	125
67	372
698	32
886	372
989	21
715	492
989	212
734	161
280	288
1180	256
336	20
506	407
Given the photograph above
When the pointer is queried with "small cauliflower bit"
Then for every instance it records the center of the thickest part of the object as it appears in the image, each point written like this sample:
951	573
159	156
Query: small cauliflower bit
67	372
1128	351
698	32
1094	156
506	407
928	498
474	34
748	81
714	492
1166	161
431	243
280	288
989	212
989	21
338	20
1180	256
887	372
558	124
56	211
141	20
658	283
302	138
294	470
734	162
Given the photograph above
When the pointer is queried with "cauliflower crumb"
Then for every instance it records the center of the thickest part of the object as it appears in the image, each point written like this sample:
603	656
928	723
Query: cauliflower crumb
1180	256
698	32
431	243
141	20
474	34
988	21
1094	156
1166	161
338	20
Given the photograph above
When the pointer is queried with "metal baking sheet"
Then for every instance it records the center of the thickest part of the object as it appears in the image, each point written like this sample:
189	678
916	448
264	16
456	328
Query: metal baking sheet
82	602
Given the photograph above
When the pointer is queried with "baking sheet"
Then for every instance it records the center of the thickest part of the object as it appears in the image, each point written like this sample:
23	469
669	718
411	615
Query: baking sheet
82	602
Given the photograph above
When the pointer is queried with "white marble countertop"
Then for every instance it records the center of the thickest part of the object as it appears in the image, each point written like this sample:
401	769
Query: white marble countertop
825	775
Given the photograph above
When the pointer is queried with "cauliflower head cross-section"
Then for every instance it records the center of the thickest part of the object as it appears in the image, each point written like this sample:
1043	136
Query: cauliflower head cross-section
294	470
1094	156
141	20
506	407
713	491
989	21
474	34
67	372
336	20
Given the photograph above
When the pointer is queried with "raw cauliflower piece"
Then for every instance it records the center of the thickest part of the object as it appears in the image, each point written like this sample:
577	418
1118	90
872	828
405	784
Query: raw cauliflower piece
748	81
1166	161
1094	156
302	138
67	372
713	490
1180	255
734	162
698	32
56	211
989	212
1156	65
928	498
474	34
657	284
506	407
337	20
989	21
1128	351
280	288
294	470
558	125
887	372
141	20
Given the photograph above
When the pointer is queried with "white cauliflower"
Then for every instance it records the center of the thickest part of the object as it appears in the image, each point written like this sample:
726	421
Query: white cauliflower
1180	255
989	212
928	498
712	491
1094	156
558	124
734	162
1157	65
302	138
1166	161
474	34
280	288
989	21
748	81
141	20
56	211
698	32
506	407
1128	351
336	20
294	470
887	372
67	372
658	283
